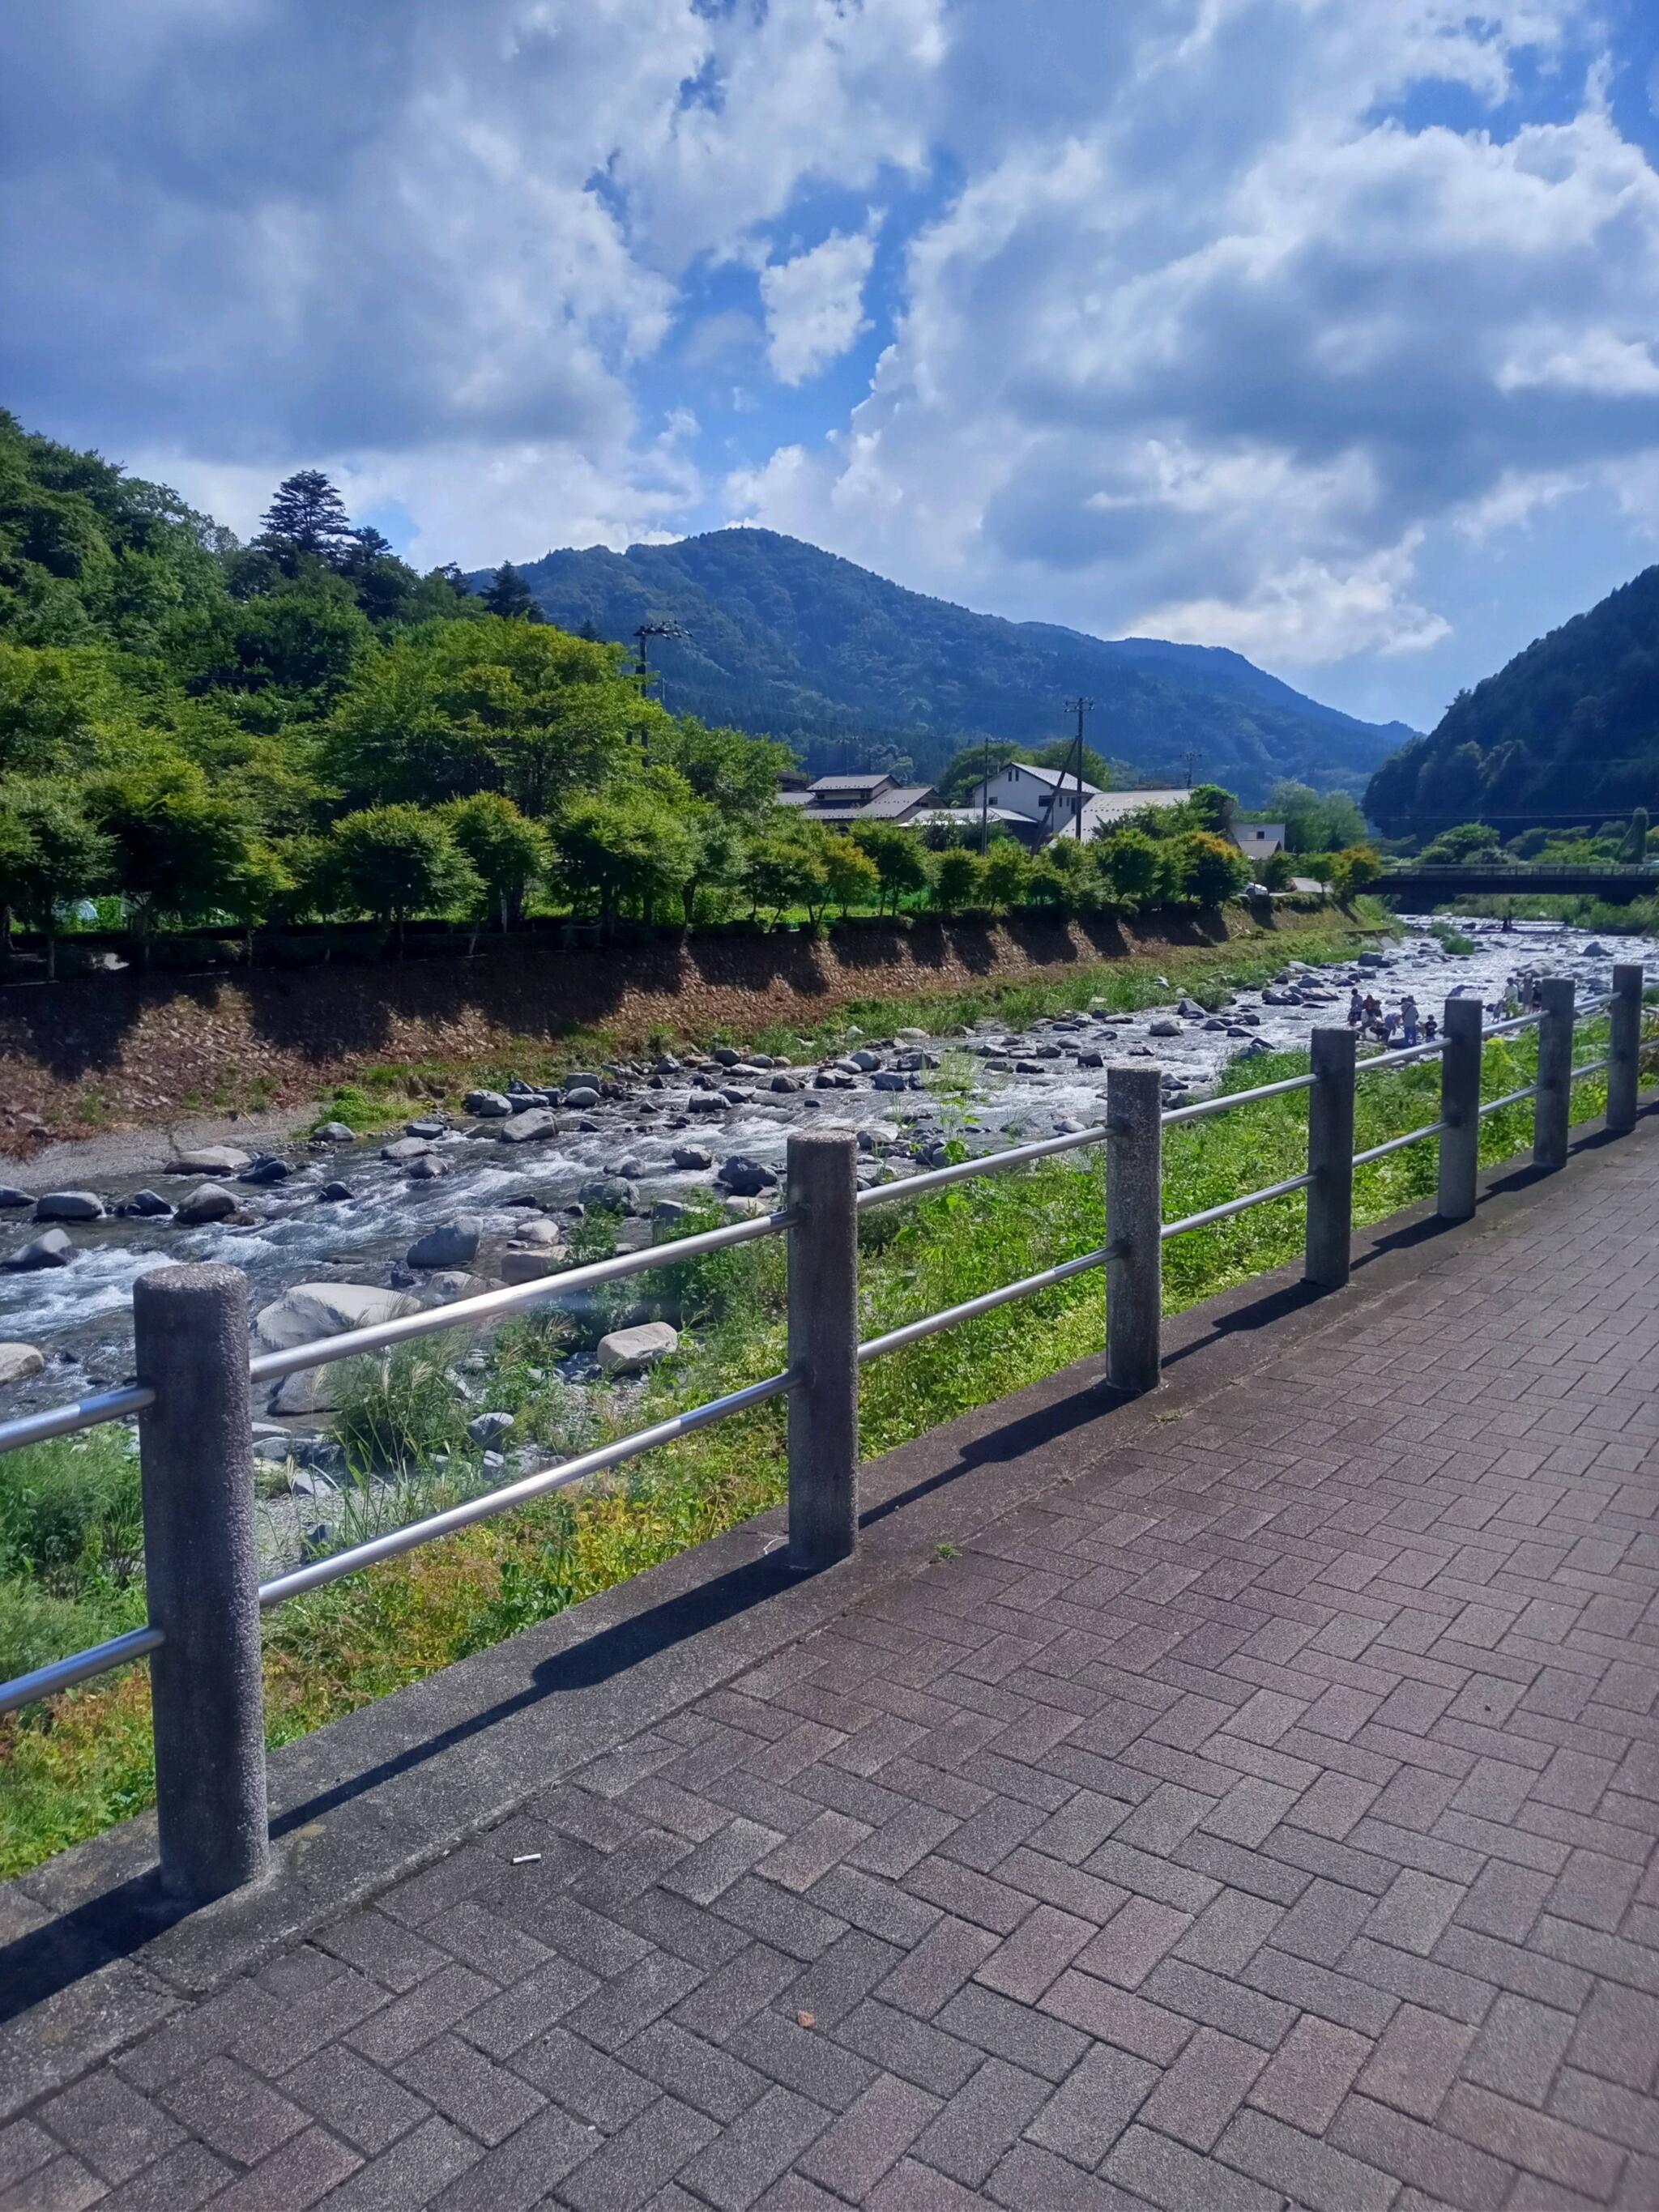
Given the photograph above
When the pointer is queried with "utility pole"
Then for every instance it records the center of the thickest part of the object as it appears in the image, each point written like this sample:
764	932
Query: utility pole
1192	764
649	630
985	800
1079	706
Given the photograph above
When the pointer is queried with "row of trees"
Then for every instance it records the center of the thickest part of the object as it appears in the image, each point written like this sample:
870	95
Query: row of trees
302	728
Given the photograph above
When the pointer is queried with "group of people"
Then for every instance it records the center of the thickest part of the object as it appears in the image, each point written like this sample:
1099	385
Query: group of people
1402	1027
1522	994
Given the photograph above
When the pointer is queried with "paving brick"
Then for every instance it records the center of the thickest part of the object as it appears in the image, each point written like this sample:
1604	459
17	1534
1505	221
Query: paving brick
979	2126
925	2055
63	2185
1519	2047
1415	1913
1416	2062
1134	1940
698	2073
1026	2037
460	2081
1446	2170
852	2155
1312	2172
1159	2172
746	2158
110	2127
804	2058
185	2177
1553	2148
1203	2089
594	2086
355	2099
1035	1954
635	2162
1229	1932
1114	2016
411	2173
1323	1923
430	2007
1085	2115
1310	2074
233	2111
304	2170
950	1953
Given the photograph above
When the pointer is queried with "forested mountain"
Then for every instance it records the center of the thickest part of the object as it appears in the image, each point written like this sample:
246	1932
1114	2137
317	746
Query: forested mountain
840	663
1567	732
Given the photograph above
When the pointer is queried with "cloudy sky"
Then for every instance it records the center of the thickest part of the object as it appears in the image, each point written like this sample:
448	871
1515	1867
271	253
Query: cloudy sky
1325	329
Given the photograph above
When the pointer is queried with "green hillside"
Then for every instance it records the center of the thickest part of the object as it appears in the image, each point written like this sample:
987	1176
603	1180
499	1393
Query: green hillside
1567	732
839	662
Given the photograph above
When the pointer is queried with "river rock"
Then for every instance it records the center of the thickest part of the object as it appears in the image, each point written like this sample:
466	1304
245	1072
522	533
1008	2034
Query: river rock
524	1128
210	1160
522	1265
69	1206
1092	1058
1370	960
209	1201
452	1283
488	1105
693	1157
311	1310
1191	1009
423	1128
724	1054
490	1429
542	1232
606	1191
668	1211
405	1149
18	1362
1165	1028
452	1244
746	1178
887	1079
427	1169
785	1083
335	1192
266	1170
52	1250
9	1197
148	1202
632	1351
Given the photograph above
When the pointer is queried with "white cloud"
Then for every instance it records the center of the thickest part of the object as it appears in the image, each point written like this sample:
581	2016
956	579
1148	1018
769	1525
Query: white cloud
815	304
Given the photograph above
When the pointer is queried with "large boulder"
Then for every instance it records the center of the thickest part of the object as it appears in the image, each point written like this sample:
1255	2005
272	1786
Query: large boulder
406	1149
539	1232
746	1178
269	1169
519	1264
452	1244
581	1098
69	1206
490	1429
210	1160
1165	1027
311	1310
18	1362
149	1202
605	1191
692	1158
488	1105
11	1197
335	1133
632	1351
53	1249
209	1201
523	1128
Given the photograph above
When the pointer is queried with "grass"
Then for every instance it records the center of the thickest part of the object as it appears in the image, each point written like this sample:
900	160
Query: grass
1638	917
1450	940
73	1765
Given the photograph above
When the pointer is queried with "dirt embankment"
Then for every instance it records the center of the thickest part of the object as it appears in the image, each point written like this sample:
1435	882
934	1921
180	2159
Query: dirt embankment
79	1057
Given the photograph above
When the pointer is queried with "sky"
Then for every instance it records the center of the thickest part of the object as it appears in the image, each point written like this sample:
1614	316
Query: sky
1328	330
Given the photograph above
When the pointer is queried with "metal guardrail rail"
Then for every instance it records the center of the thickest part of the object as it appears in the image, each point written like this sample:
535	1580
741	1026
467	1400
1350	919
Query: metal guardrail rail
193	1411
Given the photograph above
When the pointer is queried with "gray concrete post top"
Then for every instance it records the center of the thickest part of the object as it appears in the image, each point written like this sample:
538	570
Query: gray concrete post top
1333	1052
822	1178
1134	1215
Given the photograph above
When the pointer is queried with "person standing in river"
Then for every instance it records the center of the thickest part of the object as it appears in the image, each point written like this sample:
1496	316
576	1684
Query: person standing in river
1356	1009
1408	1019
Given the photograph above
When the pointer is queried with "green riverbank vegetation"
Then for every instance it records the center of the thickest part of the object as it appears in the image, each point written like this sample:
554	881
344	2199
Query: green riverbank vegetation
72	1766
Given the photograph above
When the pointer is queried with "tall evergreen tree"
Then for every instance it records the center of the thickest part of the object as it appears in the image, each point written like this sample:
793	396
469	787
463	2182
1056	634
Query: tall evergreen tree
307	515
510	595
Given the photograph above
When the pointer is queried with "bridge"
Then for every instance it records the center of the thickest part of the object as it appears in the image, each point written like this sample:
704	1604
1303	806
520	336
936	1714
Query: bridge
1618	886
1242	1791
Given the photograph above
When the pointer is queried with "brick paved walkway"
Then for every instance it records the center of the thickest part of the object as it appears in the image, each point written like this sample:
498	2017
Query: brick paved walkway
1266	1816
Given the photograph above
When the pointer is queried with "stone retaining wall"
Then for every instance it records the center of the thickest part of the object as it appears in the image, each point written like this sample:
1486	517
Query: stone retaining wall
83	1055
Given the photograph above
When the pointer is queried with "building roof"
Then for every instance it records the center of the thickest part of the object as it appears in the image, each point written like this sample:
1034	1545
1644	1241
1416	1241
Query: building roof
1054	777
1258	837
971	815
872	780
857	798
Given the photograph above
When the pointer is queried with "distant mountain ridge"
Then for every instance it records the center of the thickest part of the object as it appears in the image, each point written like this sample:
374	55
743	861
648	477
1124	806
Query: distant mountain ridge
787	639
1566	732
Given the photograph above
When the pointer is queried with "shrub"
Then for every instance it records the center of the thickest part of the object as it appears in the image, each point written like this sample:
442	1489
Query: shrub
71	1515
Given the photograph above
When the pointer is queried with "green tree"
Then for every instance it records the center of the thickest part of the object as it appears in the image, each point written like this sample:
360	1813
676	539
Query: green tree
1007	874
958	880
178	848
1062	755
510	597
508	852
50	854
1354	869
307	517
728	768
900	857
1634	842
634	849
1132	868
1315	822
1213	869
852	876
55	703
1277	870
971	766
396	862
1466	841
486	705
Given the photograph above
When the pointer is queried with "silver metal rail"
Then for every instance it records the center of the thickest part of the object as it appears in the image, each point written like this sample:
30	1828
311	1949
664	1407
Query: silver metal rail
1011	1156
1399	1144
82	1413
913	1331
1510	1098
490	1503
1234	1206
1228	1099
64	1674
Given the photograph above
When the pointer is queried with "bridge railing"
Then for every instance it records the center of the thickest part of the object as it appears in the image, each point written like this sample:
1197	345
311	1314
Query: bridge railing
205	1597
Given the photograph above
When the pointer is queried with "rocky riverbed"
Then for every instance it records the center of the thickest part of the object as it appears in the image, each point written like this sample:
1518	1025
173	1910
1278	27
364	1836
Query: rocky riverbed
450	1204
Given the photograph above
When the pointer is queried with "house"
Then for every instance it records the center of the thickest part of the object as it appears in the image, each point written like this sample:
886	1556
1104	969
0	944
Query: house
1257	840
872	796
1044	798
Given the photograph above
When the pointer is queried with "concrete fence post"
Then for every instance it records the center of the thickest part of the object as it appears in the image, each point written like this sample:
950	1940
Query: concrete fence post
1460	1107
1625	1053
1553	1107
1134	1218
821	1181
1330	1158
202	1571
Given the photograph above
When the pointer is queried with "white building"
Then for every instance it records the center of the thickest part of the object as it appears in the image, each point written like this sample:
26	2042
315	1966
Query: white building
1257	840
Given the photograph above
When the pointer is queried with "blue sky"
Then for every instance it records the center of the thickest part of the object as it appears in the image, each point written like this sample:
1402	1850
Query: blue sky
1324	329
